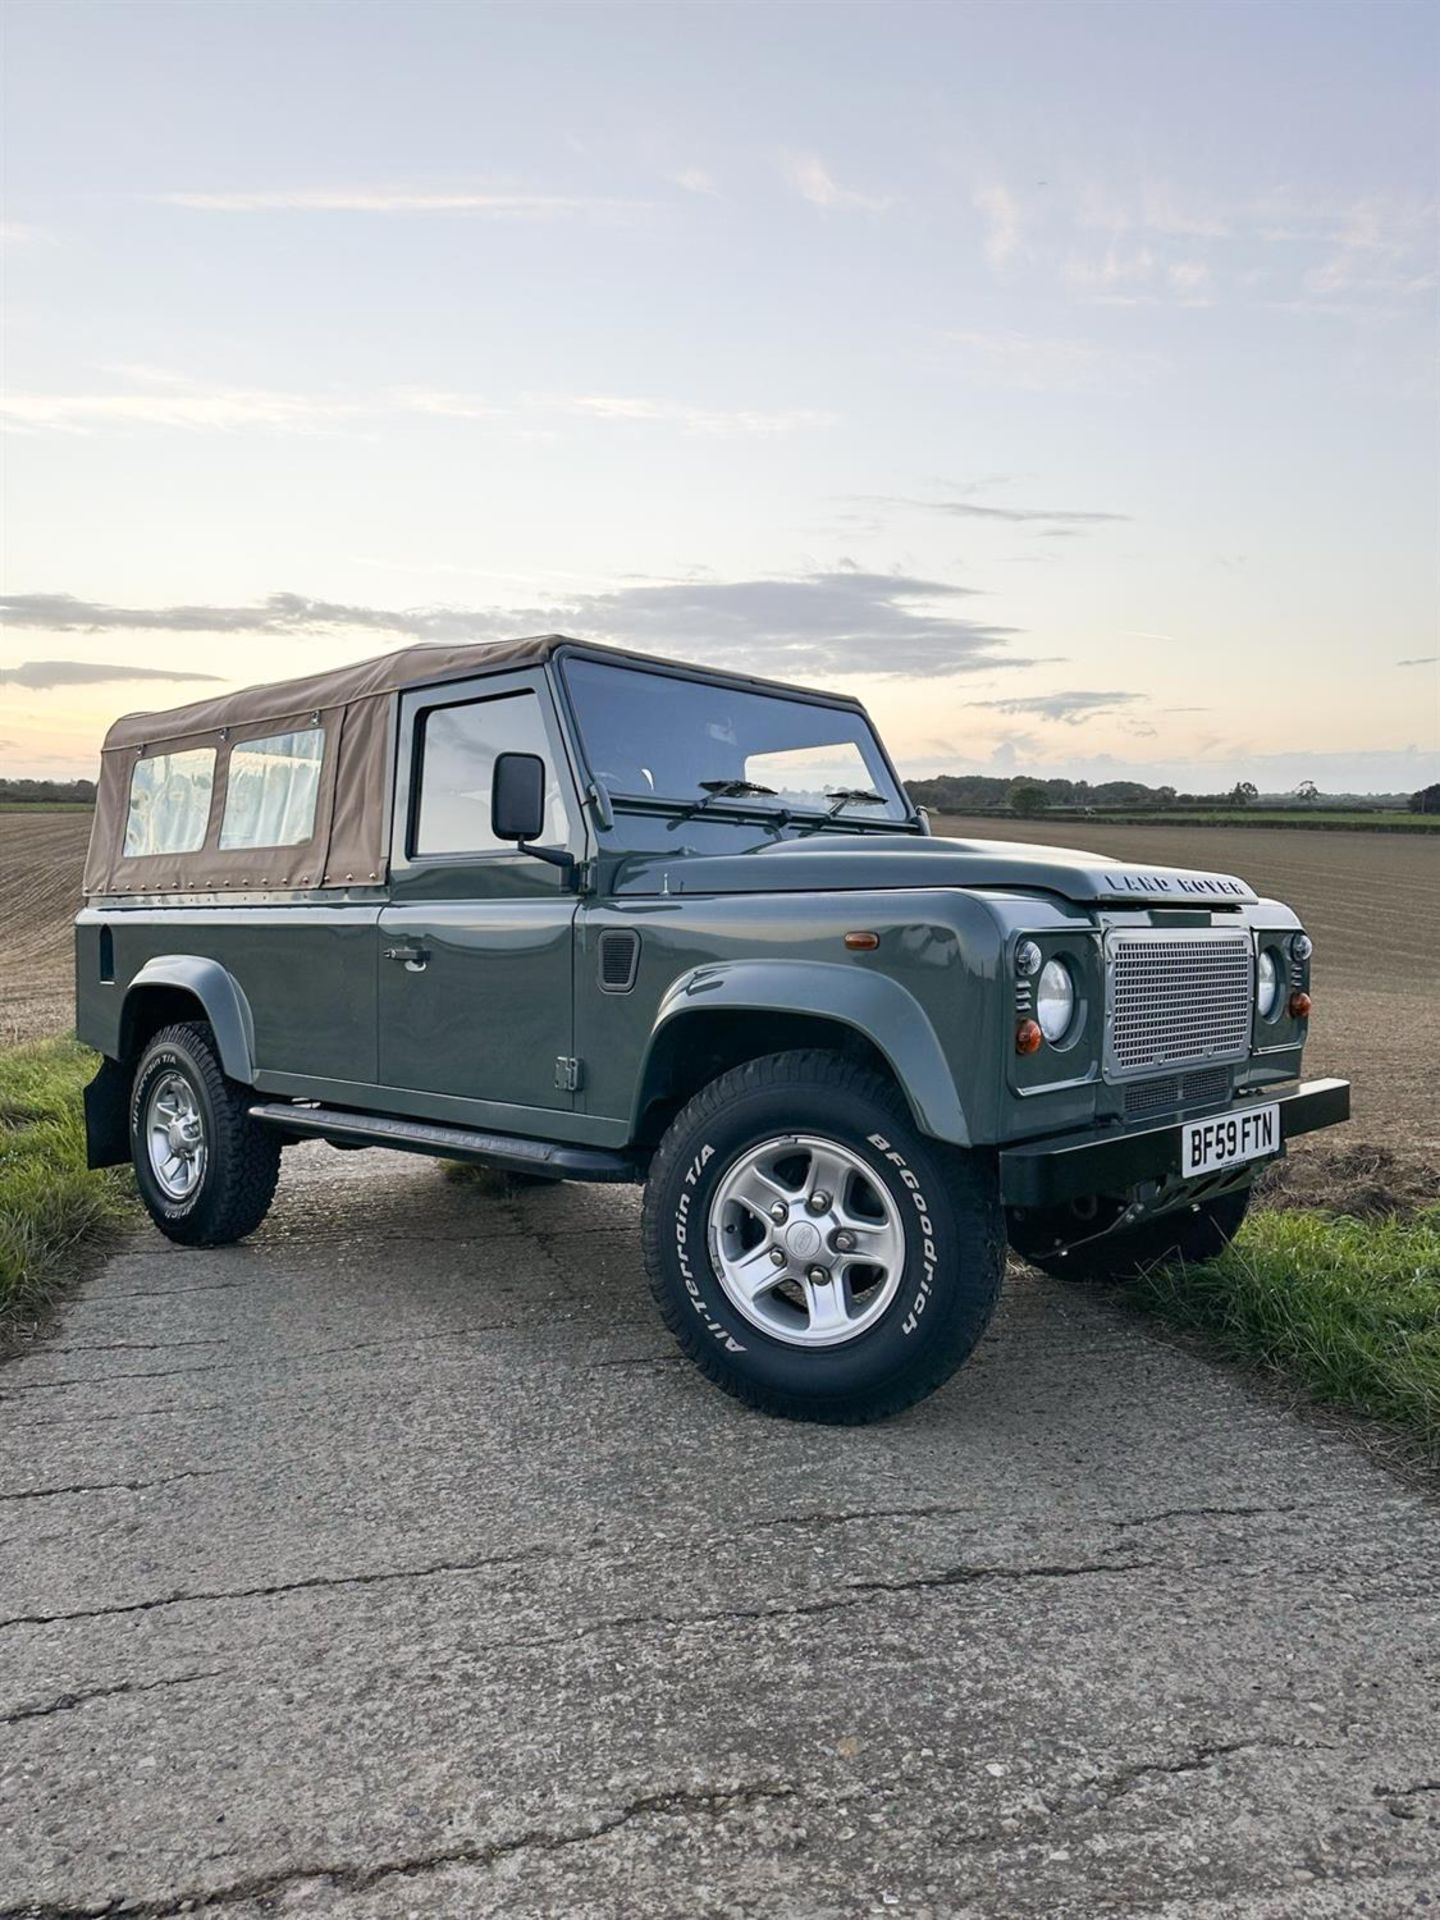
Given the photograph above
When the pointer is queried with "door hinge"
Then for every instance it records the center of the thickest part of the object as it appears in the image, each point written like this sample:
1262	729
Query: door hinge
568	1073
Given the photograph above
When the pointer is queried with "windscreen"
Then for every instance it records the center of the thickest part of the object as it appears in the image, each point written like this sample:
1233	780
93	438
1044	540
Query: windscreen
655	736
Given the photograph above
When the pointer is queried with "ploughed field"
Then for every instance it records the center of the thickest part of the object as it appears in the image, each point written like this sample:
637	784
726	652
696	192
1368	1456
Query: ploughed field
42	857
1371	901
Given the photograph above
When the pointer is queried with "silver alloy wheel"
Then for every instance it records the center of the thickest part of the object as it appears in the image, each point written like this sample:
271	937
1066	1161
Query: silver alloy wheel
807	1240
175	1136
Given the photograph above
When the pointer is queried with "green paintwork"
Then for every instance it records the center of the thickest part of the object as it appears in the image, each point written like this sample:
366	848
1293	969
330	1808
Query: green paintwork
741	921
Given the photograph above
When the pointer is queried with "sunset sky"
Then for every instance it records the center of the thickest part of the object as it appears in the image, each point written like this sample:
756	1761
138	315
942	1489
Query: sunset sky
1061	379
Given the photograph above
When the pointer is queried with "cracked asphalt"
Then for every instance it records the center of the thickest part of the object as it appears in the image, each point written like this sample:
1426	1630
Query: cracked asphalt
393	1564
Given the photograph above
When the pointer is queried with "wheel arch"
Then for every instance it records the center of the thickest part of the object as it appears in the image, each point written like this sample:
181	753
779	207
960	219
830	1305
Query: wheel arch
717	1016
175	987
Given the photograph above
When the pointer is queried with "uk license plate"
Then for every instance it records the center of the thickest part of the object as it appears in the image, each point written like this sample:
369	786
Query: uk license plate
1228	1140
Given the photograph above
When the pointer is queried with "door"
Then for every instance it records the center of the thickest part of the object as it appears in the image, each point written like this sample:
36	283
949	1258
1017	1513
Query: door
476	989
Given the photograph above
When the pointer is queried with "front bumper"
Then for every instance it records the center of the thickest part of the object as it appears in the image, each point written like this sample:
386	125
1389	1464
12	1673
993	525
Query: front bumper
1044	1173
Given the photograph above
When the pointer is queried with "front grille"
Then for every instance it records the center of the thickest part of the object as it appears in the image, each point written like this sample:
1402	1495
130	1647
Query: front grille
1152	1096
1177	999
1211	1083
1176	1090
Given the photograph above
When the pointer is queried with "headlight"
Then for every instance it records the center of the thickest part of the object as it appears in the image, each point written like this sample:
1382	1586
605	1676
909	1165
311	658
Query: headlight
1055	1000
1267	985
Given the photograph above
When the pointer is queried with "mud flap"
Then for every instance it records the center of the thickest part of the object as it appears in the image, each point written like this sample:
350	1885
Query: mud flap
107	1117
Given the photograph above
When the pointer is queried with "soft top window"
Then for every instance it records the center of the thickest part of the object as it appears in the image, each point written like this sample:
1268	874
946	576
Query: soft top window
170	802
271	790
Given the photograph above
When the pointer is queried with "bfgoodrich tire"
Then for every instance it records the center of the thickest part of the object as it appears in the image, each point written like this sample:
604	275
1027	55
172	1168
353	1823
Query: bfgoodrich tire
1189	1236
800	1165
206	1171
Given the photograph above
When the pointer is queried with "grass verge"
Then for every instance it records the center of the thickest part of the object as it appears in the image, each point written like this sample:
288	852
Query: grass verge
1347	1309
52	1210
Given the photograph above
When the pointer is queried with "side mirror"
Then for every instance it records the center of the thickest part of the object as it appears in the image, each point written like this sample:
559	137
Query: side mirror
517	797
517	807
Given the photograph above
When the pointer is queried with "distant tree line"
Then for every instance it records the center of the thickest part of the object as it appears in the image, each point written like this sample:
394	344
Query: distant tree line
81	792
1029	795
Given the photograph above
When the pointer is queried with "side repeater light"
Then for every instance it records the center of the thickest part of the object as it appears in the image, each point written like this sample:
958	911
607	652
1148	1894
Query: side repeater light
862	941
1028	1037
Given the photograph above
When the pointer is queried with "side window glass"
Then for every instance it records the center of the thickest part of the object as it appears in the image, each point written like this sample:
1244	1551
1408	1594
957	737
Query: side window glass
458	747
170	802
271	790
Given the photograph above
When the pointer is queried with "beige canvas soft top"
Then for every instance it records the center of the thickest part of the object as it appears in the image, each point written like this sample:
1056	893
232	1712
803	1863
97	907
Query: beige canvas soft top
352	705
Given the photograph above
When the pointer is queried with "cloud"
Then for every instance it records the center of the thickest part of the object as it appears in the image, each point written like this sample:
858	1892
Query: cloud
697	180
1190	281
1115	275
1163	211
1160	242
973	510
843	621
279	613
1000	212
810	627
1071	707
168	400
445	405
810	178
43	675
1419	660
711	420
17	233
494	204
219	409
1041	365
1379	247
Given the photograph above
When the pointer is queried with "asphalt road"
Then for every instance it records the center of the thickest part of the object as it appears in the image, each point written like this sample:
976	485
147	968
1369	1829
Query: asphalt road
392	1564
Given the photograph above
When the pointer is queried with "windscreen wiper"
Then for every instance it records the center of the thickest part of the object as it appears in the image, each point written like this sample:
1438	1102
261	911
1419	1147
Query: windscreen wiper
725	790
853	797
730	790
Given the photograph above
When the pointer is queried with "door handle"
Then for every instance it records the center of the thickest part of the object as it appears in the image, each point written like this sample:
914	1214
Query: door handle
414	958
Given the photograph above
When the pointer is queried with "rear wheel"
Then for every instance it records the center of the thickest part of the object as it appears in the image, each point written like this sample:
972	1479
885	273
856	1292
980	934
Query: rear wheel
206	1171
811	1251
1189	1236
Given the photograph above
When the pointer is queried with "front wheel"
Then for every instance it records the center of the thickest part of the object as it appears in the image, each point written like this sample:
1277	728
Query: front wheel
813	1252
206	1171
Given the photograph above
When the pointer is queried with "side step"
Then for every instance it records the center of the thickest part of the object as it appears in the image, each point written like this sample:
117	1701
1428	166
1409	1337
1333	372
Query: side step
509	1152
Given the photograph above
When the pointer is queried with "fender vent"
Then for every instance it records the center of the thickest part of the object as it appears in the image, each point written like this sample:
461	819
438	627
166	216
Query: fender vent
619	960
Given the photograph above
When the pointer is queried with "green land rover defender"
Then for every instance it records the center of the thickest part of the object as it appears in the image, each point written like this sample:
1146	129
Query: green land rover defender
576	913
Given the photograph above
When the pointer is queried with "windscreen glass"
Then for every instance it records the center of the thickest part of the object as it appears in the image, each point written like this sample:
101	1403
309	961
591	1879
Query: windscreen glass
654	736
